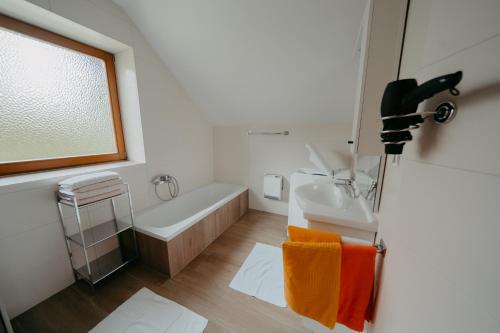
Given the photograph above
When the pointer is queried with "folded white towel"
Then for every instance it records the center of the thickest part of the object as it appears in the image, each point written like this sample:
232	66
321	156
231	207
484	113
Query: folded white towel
67	194
96	186
77	182
94	198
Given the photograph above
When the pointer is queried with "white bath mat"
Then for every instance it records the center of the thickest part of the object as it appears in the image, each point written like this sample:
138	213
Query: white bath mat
147	312
261	275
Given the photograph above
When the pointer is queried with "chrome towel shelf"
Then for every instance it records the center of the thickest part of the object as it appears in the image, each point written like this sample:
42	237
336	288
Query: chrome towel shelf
381	247
83	239
268	133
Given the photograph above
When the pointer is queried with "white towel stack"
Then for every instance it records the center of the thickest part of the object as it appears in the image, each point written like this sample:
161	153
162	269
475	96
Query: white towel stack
91	188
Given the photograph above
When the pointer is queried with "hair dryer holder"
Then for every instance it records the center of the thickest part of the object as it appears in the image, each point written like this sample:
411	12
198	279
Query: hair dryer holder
399	106
444	113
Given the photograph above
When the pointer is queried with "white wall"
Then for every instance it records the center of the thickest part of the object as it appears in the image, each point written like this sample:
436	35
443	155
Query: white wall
178	140
243	159
439	210
258	61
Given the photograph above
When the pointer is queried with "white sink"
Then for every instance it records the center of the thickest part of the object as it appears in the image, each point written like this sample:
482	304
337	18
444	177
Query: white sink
328	203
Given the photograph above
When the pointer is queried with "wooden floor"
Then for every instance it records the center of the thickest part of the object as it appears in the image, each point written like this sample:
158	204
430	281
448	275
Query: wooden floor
202	287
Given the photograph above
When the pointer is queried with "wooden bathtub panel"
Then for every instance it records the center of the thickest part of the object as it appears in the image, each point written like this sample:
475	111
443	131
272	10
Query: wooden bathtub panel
234	210
193	242
182	249
222	219
188	245
227	215
208	228
153	252
243	203
176	259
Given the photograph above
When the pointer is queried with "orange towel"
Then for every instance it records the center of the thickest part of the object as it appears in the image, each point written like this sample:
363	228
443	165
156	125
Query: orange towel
311	261
356	285
328	281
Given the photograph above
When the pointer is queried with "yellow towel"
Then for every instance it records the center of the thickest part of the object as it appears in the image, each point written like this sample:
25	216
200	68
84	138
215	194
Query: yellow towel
311	261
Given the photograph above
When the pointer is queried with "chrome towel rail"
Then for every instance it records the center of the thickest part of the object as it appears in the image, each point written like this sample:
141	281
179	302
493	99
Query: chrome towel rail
268	133
381	247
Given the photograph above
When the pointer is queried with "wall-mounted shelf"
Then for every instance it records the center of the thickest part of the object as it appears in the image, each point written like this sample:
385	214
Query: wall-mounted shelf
268	133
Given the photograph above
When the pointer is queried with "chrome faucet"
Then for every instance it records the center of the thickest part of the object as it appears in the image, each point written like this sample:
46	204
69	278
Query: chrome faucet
349	189
343	181
335	171
371	191
347	183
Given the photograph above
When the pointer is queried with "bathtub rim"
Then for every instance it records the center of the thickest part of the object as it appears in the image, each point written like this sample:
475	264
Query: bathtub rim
193	219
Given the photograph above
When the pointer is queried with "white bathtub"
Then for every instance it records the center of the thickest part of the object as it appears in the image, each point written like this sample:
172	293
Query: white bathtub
169	219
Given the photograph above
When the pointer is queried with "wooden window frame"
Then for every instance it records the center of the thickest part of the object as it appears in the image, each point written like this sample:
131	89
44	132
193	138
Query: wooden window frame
108	58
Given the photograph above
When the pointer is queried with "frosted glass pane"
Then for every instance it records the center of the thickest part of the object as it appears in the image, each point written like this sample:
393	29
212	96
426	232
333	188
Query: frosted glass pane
54	102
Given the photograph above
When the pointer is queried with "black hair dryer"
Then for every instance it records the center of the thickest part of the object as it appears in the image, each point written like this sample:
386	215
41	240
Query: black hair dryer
400	103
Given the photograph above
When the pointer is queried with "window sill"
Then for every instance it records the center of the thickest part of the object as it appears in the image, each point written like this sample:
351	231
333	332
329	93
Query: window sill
28	181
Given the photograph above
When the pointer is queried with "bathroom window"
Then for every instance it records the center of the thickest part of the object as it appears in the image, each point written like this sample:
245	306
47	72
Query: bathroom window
58	101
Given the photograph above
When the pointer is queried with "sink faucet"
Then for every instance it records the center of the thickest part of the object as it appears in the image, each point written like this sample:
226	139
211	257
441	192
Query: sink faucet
371	191
336	171
347	183
343	181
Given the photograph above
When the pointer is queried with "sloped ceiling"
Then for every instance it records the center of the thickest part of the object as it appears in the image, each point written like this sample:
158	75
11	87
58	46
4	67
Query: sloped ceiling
258	61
